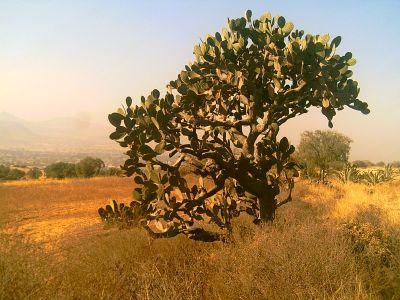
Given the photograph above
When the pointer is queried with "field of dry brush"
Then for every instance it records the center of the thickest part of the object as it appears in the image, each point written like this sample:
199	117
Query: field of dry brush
332	242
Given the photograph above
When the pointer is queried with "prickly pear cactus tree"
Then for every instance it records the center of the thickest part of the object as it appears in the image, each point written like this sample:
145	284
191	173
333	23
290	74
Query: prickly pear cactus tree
222	115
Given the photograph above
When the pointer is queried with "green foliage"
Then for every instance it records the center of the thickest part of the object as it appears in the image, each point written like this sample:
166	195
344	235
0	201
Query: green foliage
60	170
15	174
362	163
380	164
4	170
395	164
6	173
111	171
349	173
34	173
322	150
120	215
89	167
370	243
222	116
374	177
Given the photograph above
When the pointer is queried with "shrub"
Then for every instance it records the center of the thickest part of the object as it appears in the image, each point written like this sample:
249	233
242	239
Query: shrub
111	171
15	174
120	215
34	173
4	170
348	173
322	150
89	167
60	170
374	177
362	163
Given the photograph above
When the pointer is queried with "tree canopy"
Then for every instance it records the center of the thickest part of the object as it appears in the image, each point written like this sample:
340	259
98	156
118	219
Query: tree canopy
322	150
7	173
34	173
89	167
222	115
60	170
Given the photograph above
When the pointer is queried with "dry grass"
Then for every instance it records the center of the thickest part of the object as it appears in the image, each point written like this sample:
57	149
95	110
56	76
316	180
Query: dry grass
57	211
52	246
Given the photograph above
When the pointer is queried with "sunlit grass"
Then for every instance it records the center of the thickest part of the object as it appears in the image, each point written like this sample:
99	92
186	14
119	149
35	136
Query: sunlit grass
53	245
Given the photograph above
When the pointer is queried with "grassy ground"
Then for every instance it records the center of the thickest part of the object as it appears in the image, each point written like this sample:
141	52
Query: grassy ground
338	242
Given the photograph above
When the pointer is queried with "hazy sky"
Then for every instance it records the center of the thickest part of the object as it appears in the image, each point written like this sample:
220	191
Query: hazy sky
62	58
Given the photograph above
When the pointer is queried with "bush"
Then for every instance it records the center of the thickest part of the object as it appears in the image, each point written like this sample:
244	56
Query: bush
6	173
89	167
374	177
396	164
120	215
34	173
60	170
362	163
111	172
15	174
348	173
4	170
321	151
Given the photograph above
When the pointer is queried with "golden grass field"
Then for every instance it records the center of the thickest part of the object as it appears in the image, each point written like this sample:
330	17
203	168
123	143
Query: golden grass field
331	242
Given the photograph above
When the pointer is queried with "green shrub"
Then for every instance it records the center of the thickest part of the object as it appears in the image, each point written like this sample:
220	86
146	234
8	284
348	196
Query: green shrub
60	170
89	167
15	174
34	173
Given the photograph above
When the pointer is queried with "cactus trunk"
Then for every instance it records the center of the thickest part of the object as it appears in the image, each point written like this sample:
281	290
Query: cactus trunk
267	207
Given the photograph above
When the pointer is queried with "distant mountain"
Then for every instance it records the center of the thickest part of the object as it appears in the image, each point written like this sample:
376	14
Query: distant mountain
6	117
58	134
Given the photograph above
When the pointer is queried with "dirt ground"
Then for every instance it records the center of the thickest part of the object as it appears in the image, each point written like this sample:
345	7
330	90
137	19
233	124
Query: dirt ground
58	213
64	252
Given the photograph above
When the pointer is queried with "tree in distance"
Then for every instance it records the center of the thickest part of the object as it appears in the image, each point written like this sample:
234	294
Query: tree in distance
15	174
222	116
395	164
4	170
60	170
322	150
6	173
34	173
362	163
111	171
89	167
380	164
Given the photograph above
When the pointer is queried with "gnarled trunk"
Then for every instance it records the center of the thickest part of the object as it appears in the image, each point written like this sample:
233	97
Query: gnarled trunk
267	205
265	194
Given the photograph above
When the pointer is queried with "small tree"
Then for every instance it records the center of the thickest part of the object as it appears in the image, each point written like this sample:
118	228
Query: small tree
6	173
15	174
362	163
60	170
322	150
89	167
111	171
395	164
4	170
34	173
222	115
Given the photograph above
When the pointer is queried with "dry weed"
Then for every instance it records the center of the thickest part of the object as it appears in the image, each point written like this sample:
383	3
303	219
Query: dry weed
305	254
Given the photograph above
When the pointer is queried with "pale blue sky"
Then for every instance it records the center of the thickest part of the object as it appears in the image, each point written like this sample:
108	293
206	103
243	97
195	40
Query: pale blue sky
60	58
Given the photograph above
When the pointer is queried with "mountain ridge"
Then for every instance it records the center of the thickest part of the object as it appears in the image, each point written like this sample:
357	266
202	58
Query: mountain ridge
64	133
